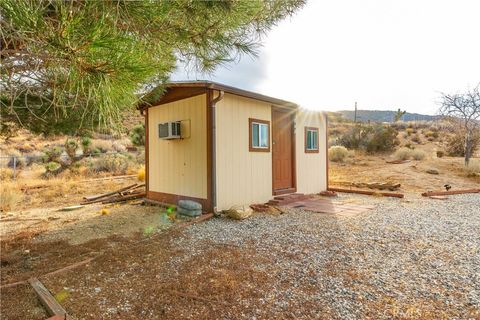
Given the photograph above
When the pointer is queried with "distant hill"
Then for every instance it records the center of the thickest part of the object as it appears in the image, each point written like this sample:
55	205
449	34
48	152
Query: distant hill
383	116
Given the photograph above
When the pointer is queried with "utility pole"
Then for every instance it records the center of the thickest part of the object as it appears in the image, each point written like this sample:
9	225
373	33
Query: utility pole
355	116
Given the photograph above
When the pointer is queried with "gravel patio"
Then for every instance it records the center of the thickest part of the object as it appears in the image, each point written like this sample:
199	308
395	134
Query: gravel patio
405	259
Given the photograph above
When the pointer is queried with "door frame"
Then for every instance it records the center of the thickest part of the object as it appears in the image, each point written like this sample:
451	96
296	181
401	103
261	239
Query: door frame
292	113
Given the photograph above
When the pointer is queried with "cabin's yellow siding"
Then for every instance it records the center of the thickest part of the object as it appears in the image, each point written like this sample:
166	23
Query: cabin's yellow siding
243	177
179	166
311	167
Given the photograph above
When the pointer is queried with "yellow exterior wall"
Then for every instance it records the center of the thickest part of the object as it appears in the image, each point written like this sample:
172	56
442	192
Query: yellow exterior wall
311	167
243	177
179	166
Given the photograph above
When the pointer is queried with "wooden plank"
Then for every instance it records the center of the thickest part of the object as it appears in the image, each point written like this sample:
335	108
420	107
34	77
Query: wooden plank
48	301
451	192
369	193
104	195
125	198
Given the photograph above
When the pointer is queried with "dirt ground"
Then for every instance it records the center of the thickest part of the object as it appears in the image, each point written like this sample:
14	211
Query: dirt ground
412	175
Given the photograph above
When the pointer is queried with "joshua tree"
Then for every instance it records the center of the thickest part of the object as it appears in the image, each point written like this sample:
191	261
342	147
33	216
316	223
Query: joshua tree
399	114
464	108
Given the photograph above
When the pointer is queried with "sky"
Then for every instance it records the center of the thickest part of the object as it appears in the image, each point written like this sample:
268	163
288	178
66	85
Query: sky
382	54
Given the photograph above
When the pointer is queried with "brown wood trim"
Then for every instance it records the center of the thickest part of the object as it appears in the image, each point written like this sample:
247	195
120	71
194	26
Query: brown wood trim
173	94
172	199
294	153
252	148
228	89
305	140
284	191
209	146
147	147
326	147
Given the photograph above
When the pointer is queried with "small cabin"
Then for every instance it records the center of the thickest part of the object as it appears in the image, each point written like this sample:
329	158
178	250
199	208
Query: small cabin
222	146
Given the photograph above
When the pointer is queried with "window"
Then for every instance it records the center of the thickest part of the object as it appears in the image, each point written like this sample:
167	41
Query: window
311	140
259	135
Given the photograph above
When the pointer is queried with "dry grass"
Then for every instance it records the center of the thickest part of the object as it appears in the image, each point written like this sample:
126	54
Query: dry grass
10	198
473	169
337	153
141	173
403	153
418	154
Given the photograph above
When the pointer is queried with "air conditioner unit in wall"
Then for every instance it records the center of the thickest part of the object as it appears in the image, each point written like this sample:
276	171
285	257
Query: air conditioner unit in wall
169	130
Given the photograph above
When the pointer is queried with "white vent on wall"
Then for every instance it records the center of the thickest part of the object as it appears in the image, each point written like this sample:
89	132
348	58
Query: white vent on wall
169	130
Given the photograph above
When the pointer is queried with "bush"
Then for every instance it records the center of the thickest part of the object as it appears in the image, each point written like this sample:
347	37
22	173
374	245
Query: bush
114	164
102	145
456	144
382	139
137	135
473	168
9	198
71	146
370	138
119	147
53	154
52	168
418	154
409	131
337	153
431	134
416	138
16	159
403	154
440	154
86	144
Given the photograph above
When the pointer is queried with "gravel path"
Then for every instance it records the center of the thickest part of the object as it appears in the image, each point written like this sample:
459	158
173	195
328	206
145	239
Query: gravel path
403	259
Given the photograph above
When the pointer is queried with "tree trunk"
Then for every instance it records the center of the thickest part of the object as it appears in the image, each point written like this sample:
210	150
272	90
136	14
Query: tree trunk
468	147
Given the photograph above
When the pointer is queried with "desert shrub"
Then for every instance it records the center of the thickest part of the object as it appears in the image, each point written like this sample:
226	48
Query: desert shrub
16	159
114	164
399	125
119	147
409	131
372	138
137	135
86	144
418	154
409	146
337	153
37	157
403	154
52	168
473	169
383	139
9	198
416	138
53	154
431	134
455	146
71	146
440	153
102	145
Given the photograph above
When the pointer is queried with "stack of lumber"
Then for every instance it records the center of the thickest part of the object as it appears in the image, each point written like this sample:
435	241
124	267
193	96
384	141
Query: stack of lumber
130	192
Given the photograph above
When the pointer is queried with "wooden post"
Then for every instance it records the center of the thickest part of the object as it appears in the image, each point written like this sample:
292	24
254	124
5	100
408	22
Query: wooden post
47	300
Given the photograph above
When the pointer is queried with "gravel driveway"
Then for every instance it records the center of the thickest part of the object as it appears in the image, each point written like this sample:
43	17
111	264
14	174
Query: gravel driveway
404	259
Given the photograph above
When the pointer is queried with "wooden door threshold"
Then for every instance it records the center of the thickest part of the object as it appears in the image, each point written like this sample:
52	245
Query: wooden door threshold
284	191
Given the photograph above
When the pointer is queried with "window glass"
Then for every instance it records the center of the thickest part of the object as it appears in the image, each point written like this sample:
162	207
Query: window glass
255	135
263	136
312	139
